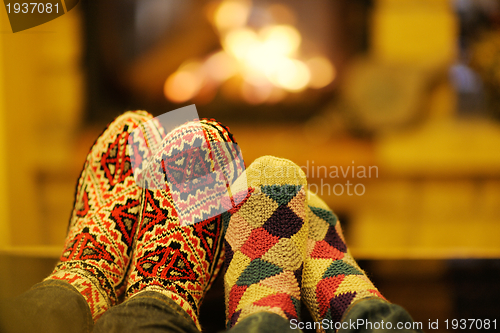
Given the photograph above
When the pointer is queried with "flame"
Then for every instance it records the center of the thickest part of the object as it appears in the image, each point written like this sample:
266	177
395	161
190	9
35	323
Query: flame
322	72
231	14
184	84
266	59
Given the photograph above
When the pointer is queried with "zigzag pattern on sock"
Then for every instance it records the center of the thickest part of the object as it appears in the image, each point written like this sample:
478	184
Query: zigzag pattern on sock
178	260
332	279
265	244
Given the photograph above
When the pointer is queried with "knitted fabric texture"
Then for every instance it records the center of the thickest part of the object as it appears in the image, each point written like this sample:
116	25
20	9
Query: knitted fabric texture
265	242
103	223
181	260
332	279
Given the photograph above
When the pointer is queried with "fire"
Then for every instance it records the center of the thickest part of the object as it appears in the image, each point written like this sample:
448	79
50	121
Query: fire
267	59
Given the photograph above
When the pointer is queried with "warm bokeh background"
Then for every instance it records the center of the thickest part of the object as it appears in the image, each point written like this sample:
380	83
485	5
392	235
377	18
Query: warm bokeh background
409	87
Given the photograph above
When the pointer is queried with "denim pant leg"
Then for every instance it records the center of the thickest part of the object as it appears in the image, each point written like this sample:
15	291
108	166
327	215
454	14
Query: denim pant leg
376	315
147	312
51	306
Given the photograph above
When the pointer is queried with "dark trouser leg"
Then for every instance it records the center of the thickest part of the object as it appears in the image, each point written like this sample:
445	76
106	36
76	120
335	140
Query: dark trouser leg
263	322
147	312
51	307
377	315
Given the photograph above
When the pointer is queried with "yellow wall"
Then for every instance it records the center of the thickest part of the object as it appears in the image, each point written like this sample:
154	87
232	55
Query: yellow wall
420	32
4	212
40	109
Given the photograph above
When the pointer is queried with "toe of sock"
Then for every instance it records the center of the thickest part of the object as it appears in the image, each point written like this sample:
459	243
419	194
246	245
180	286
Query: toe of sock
270	170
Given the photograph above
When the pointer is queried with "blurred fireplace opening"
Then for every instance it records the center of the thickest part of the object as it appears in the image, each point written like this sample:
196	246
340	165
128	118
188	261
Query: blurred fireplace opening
133	46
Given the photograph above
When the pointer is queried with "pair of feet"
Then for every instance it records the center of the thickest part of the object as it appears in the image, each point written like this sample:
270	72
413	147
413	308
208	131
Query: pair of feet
281	243
125	236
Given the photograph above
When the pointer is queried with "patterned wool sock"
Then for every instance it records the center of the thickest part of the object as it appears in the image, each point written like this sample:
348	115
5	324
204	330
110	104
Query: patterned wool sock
173	258
332	279
102	227
265	242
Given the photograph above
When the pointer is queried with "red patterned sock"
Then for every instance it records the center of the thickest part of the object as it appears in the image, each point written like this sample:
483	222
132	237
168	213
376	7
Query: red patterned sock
179	244
103	224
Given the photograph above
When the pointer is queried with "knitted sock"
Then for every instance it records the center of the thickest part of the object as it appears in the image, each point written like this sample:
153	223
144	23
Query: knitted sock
332	280
102	227
181	260
265	242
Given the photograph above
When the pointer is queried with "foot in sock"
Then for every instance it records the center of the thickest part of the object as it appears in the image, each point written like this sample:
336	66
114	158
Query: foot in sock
103	223
332	280
266	242
177	259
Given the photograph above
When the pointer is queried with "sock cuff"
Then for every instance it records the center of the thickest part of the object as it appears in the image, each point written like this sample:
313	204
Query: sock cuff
87	285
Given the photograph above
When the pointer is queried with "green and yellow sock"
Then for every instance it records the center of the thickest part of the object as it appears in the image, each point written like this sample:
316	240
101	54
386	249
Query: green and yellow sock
332	279
266	242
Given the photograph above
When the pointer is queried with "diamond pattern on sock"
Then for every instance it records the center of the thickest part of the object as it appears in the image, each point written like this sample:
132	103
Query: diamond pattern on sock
266	242
332	280
257	270
284	223
283	282
259	242
255	219
104	221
